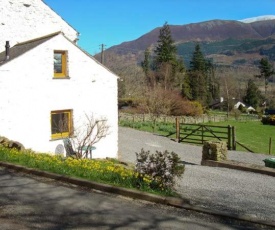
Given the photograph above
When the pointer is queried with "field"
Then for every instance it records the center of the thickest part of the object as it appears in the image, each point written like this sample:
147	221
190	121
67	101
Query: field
252	134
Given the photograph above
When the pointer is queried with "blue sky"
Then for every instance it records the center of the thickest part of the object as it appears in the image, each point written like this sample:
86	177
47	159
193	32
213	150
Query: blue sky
112	22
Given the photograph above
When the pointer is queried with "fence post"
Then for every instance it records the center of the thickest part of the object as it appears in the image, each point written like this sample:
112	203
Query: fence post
202	134
270	146
233	138
177	129
229	137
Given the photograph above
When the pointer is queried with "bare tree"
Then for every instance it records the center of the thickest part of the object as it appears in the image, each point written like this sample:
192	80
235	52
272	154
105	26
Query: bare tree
155	102
87	135
228	91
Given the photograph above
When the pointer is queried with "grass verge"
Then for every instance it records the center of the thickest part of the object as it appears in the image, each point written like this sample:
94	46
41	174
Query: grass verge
106	171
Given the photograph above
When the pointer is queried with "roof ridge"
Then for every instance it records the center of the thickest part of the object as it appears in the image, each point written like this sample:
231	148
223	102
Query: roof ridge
39	38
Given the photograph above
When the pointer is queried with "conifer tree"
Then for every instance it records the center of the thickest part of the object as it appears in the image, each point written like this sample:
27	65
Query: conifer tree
146	68
266	71
165	50
198	62
253	95
166	70
203	85
165	60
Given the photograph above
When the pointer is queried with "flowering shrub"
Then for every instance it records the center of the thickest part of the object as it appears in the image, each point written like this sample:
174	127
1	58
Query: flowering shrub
159	169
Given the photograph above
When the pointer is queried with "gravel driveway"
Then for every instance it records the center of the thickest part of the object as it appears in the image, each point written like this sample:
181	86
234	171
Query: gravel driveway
223	189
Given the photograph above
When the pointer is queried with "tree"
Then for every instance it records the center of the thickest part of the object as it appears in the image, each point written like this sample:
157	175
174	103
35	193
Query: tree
198	62
203	85
213	85
158	101
166	64
121	88
228	90
266	71
88	134
146	66
252	96
165	50
186	88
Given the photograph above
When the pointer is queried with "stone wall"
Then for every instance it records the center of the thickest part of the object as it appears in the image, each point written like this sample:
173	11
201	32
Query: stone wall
11	144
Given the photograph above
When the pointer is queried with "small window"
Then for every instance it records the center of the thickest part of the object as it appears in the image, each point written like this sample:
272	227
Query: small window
61	124
60	64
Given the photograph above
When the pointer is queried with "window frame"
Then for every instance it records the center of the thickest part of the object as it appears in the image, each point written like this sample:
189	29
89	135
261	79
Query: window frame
64	66
61	135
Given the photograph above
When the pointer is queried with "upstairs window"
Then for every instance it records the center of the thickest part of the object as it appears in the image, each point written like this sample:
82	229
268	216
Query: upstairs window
60	64
61	124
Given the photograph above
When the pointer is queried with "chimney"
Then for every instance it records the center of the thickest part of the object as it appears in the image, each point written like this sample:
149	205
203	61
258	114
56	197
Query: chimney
7	50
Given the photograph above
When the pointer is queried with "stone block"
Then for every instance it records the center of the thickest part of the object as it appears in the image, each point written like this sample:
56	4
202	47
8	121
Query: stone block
214	150
11	144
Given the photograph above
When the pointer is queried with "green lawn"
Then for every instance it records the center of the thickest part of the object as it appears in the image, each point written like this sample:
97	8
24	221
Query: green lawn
252	134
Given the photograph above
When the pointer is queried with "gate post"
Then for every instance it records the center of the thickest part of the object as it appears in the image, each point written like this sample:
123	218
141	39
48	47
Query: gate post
229	137
177	129
233	138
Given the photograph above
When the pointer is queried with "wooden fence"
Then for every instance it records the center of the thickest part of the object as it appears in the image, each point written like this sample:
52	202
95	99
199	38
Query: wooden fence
198	134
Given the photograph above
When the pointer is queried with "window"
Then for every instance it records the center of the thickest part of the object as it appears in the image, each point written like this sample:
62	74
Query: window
60	64
61	123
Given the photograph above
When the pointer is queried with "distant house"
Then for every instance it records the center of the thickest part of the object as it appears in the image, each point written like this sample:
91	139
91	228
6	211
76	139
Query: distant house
217	103
50	78
238	104
250	109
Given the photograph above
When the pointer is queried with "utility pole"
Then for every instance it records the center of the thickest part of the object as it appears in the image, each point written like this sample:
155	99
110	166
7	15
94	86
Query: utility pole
102	53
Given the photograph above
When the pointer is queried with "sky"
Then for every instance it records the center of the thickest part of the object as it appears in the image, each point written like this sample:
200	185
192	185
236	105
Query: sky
112	22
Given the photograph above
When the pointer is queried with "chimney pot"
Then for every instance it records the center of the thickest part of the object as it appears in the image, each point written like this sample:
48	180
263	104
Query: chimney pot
7	50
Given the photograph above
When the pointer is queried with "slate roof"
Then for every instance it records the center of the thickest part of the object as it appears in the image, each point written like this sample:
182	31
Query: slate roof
24	47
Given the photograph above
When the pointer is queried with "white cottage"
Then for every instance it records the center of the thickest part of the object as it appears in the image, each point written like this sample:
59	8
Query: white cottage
44	75
48	77
22	20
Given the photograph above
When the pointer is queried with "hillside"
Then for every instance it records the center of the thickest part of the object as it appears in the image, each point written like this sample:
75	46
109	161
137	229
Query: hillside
215	30
237	42
235	48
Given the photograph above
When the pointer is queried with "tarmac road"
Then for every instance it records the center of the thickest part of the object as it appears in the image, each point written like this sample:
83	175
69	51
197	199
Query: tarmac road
220	189
29	202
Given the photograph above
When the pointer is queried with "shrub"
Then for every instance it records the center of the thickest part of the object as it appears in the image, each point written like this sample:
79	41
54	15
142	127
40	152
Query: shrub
268	120
187	108
265	120
159	101
272	120
128	102
161	169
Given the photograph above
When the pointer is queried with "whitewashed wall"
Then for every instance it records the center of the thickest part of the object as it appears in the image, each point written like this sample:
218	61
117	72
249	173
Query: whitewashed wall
22	20
28	94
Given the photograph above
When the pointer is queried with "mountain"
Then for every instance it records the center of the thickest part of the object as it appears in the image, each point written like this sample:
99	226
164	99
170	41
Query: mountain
215	30
226	42
260	18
